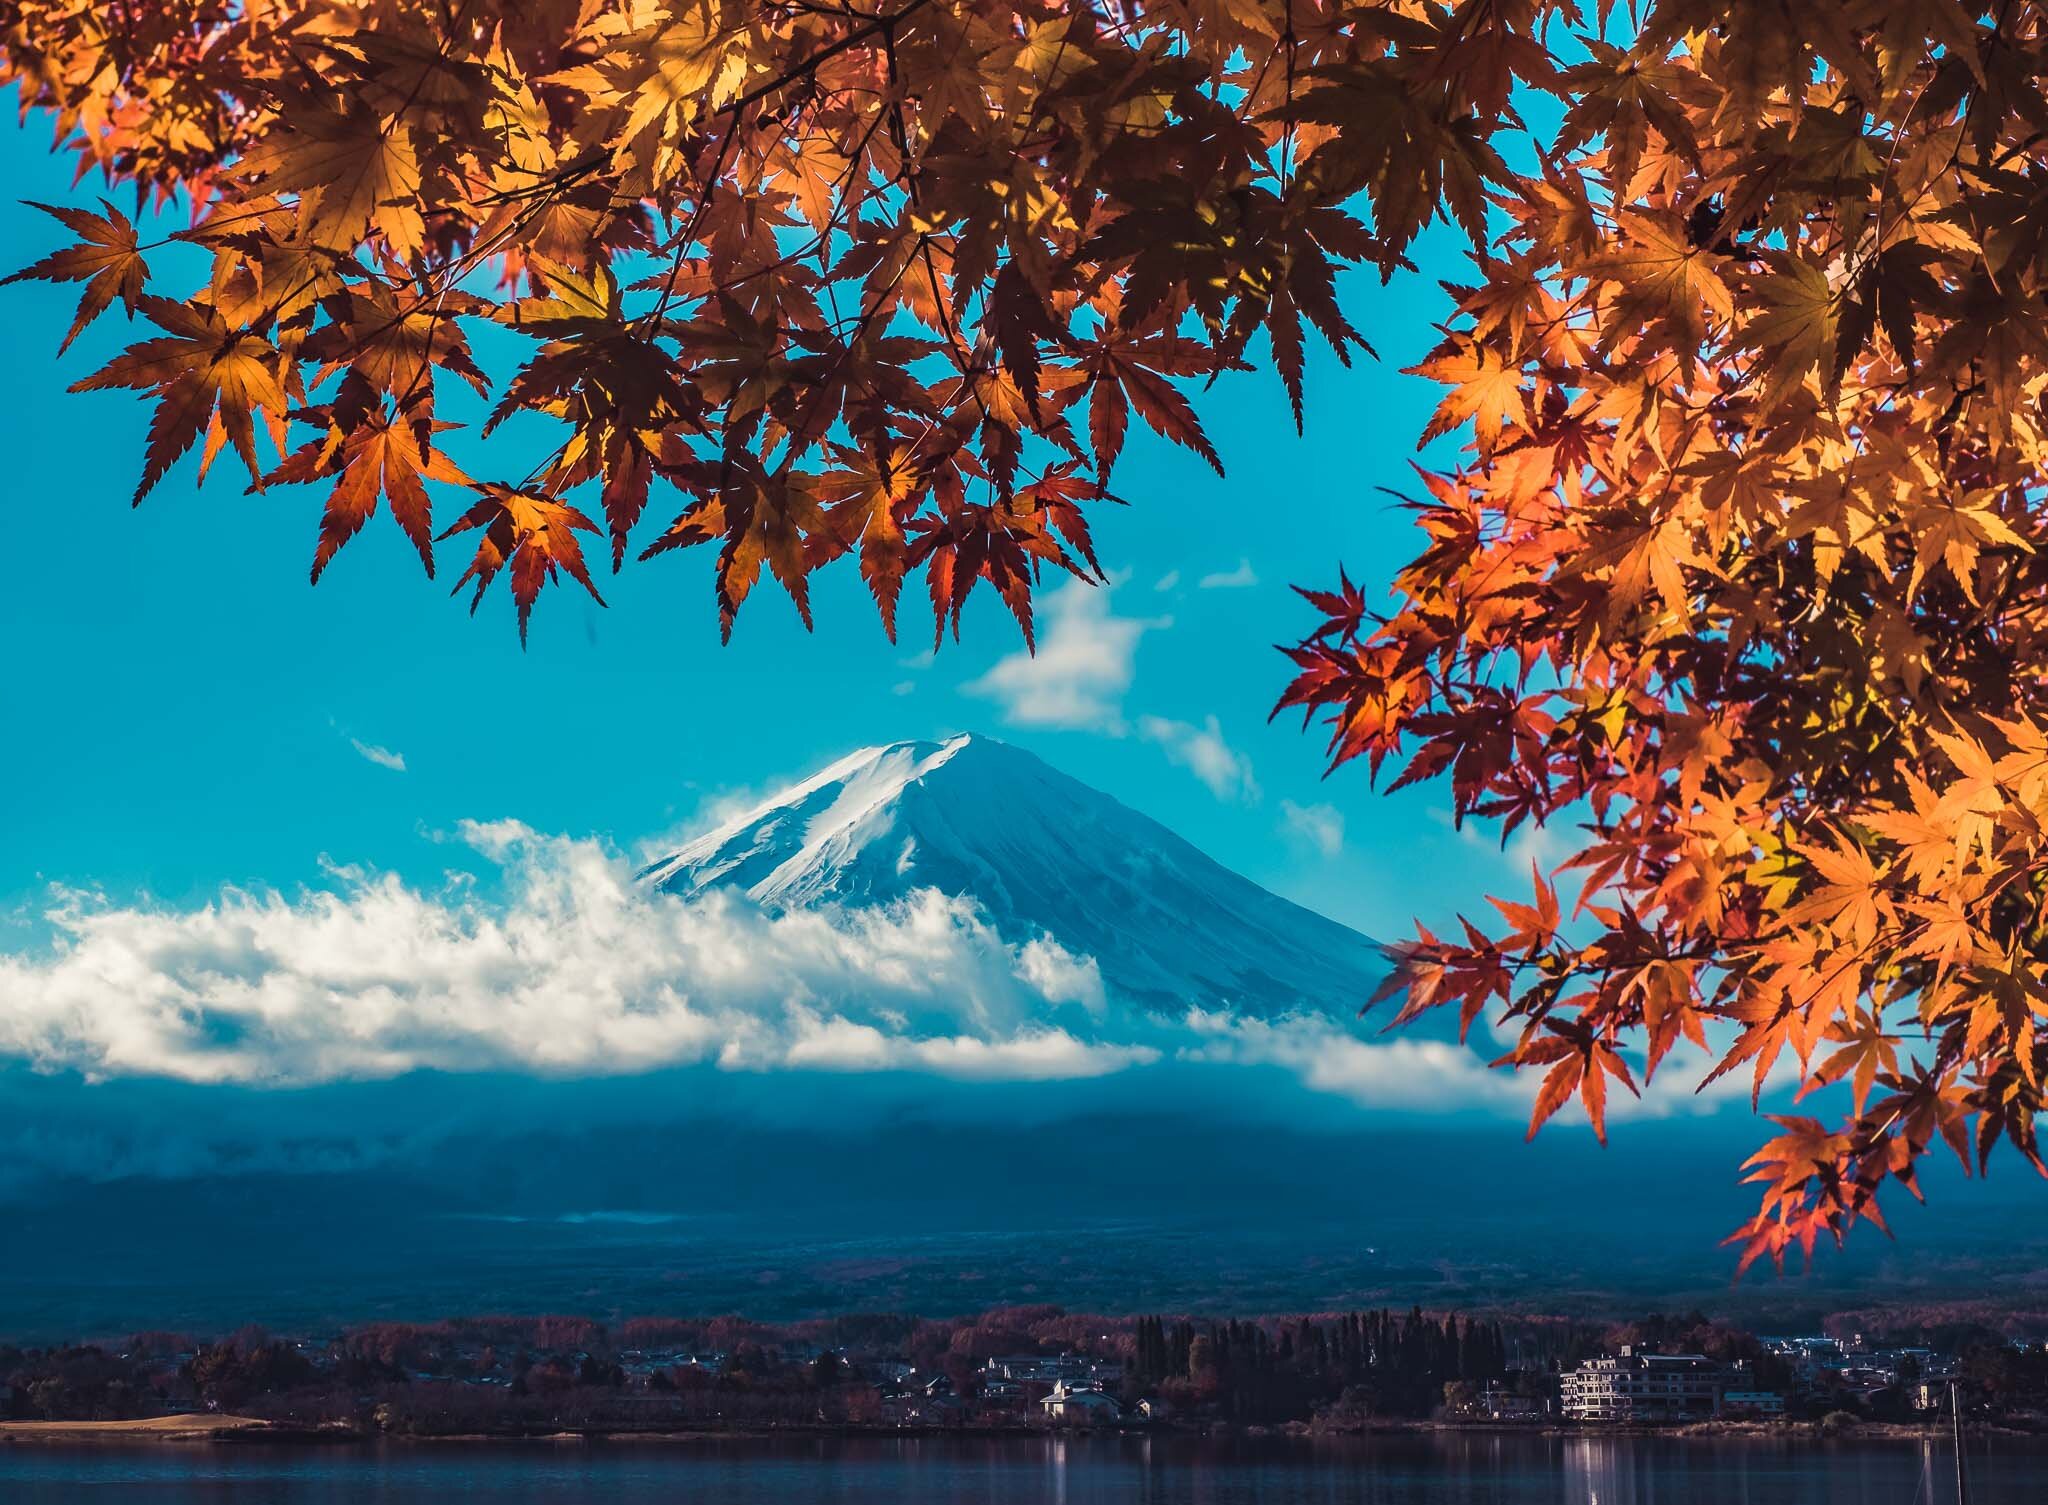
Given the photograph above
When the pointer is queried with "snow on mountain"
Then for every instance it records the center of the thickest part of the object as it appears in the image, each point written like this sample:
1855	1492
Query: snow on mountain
1043	855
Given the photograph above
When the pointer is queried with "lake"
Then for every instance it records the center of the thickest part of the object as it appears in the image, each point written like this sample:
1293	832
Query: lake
1448	1469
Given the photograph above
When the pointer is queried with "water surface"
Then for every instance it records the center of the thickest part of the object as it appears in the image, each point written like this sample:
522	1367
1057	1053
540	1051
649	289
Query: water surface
1452	1469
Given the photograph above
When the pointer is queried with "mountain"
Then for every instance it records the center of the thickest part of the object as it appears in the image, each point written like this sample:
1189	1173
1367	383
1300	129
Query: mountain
1042	854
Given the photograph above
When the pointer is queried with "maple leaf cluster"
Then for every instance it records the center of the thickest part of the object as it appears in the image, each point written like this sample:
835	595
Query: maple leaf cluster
1742	572
883	281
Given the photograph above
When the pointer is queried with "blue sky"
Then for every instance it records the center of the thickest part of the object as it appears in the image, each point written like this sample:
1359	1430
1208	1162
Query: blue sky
187	712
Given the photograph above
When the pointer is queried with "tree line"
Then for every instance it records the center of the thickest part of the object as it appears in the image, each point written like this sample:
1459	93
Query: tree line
1373	1361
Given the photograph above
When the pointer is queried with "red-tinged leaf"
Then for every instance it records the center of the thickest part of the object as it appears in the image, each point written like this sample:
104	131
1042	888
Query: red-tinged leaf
1021	321
760	518
1120	368
532	536
1593	1093
109	263
1004	544
1559	1084
1108	420
203	373
1283	323
1161	405
1487	392
628	472
866	505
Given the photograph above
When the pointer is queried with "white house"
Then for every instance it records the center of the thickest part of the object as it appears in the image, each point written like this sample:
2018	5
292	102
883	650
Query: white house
1065	1404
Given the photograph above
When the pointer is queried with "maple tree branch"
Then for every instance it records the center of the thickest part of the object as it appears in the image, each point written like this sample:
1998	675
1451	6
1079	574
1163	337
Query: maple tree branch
883	24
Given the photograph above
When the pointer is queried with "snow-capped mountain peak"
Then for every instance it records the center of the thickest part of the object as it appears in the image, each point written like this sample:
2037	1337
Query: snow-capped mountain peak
810	830
1042	854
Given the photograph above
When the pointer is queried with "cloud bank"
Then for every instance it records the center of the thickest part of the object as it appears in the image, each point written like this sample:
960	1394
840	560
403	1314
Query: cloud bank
568	970
574	971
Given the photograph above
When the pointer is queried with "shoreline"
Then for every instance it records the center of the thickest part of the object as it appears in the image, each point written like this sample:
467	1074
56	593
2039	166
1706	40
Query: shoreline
208	1427
213	1430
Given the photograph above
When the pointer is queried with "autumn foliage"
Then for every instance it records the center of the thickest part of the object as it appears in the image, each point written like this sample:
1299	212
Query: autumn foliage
1738	570
888	279
1741	576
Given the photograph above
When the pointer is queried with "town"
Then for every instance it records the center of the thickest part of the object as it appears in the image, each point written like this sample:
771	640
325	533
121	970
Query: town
1030	1368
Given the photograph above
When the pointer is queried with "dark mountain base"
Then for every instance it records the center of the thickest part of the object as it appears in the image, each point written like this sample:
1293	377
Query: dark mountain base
1110	1214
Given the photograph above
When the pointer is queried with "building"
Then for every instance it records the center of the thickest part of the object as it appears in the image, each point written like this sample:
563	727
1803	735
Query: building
1752	1403
1050	1369
1064	1404
1498	1403
1809	1357
1635	1386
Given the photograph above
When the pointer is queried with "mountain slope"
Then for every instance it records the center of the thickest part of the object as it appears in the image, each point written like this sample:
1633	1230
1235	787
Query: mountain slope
1042	854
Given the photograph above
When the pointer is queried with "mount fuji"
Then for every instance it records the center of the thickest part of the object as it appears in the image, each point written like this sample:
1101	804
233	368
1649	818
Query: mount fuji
1042	855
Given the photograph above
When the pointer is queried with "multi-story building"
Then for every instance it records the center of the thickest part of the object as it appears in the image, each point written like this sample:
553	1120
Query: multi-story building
1752	1403
1635	1386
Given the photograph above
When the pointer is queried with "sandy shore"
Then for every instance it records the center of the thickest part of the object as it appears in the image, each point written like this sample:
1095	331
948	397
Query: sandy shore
197	1428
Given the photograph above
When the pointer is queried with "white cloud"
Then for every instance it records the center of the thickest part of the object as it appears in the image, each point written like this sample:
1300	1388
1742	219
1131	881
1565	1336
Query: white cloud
1403	1073
383	757
1319	826
1224	580
1546	846
576	970
903	687
1167	581
1038	1055
1409	1074
1681	1089
1060	976
1203	752
1083	666
1034	1056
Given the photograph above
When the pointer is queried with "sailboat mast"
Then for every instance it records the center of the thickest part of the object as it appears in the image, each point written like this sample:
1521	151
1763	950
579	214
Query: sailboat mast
1955	1410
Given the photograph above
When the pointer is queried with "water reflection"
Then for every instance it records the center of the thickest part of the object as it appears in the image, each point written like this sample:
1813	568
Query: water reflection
1429	1469
1636	1471
1607	1471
